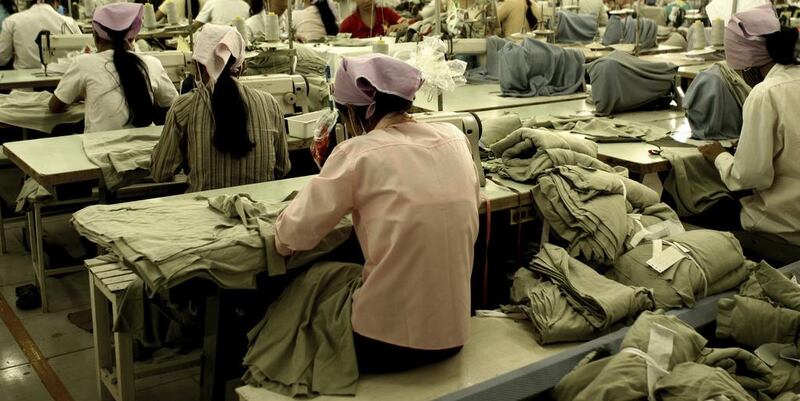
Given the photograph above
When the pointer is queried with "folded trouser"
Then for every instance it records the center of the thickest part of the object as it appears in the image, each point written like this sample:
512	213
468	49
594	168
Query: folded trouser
692	381
752	322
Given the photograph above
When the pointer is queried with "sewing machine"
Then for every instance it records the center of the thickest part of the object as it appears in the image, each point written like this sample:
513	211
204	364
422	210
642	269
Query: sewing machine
177	63
291	91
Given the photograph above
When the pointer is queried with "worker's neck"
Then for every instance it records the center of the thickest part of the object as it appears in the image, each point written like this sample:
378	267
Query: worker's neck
366	15
765	69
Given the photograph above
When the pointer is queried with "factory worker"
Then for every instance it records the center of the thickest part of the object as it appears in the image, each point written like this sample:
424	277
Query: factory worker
222	133
181	9
517	16
315	21
413	192
19	32
222	12
766	159
121	89
369	20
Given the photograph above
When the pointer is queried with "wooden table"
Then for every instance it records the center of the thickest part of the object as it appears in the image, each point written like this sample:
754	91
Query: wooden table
486	97
31	78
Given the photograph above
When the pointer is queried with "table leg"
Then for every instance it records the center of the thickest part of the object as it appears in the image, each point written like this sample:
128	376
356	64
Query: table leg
123	347
3	247
101	330
212	389
37	247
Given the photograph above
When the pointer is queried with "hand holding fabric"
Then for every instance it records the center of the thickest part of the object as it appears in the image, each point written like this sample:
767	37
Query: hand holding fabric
712	150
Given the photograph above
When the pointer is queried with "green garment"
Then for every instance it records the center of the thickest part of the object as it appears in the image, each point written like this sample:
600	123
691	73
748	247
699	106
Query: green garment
787	397
581	376
752	322
304	345
601	301
495	129
720	267
695	382
743	366
778	287
785	372
693	182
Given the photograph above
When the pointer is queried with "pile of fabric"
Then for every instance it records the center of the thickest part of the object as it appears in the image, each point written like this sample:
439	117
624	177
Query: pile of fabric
618	31
601	127
693	182
490	71
706	262
31	110
622	82
124	158
714	103
575	28
567	300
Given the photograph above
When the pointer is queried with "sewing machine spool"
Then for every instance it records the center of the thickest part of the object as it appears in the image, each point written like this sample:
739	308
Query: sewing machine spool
238	22
718	33
699	36
172	13
150	17
272	29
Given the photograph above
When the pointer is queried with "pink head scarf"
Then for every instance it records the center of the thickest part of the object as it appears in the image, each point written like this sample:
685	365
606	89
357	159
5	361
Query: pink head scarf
359	78
215	45
745	45
118	17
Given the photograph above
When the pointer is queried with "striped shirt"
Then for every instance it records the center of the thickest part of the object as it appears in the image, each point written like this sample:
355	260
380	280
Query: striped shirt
187	143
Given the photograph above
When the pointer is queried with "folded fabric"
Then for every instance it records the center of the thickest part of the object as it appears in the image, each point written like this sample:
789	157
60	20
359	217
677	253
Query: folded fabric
712	106
743	366
308	62
693	182
573	27
31	191
535	68
693	382
123	156
497	128
782	359
711	262
622	82
490	72
618	31
752	322
579	377
31	110
777	287
304	345
602	127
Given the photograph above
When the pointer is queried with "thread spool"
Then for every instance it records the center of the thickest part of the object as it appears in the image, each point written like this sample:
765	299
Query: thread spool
149	16
239	24
272	29
380	47
717	33
699	36
172	13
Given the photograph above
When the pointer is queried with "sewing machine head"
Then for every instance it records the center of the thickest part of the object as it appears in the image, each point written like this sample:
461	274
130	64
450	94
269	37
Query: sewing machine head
177	63
468	123
291	91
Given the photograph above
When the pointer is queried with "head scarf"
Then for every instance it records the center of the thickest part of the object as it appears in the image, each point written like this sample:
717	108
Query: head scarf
745	45
118	17
215	45
360	78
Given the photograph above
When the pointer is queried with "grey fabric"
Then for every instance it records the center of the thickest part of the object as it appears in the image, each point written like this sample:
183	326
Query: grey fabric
304	345
123	159
536	68
743	366
752	322
601	127
573	27
489	73
619	31
693	182
621	82
693	382
676	39
655	13
714	264
497	128
30	110
713	109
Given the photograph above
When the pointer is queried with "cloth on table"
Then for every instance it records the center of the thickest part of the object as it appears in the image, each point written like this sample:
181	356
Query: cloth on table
490	72
535	68
712	262
309	64
30	192
122	156
743	366
569	301
622	82
497	128
602	127
693	182
31	110
712	106
573	27
752	322
304	344
677	40
619	31
693	381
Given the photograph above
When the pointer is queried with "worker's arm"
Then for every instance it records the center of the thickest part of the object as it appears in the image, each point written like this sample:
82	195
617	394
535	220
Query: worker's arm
6	42
160	15
167	158
56	105
282	163
70	89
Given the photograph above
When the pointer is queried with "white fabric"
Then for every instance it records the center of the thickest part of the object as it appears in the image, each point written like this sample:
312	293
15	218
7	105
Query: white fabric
30	110
19	31
222	12
767	155
94	77
308	24
257	24
180	7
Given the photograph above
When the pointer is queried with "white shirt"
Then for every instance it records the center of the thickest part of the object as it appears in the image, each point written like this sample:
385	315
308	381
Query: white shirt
768	156
180	8
94	77
19	32
307	24
223	12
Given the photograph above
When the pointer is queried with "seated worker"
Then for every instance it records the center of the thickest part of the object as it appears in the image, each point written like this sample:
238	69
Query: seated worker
517	16
369	21
181	8
7	7
20	30
121	89
221	134
259	9
222	12
766	159
312	23
413	191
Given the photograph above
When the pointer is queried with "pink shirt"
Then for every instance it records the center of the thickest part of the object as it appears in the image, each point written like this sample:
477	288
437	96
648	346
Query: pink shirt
414	194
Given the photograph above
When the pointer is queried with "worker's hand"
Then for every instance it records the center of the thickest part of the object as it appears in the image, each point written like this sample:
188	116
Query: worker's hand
711	151
397	28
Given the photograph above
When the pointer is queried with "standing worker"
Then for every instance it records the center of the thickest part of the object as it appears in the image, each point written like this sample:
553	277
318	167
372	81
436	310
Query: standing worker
517	16
20	30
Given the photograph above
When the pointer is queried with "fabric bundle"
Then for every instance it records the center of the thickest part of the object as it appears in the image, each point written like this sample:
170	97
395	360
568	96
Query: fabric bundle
693	381
535	68
622	82
711	262
782	359
304	344
30	110
495	129
573	27
490	72
123	159
569	301
714	103
693	182
618	31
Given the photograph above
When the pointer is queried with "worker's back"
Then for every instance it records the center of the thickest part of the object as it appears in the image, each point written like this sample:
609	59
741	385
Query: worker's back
18	36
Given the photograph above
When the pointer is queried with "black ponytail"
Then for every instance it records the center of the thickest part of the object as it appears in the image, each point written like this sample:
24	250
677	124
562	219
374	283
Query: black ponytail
230	116
195	8
530	16
134	80
781	46
256	6
328	19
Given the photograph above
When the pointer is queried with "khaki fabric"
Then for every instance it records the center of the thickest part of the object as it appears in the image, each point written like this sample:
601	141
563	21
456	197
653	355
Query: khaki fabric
495	129
693	182
743	366
752	322
695	382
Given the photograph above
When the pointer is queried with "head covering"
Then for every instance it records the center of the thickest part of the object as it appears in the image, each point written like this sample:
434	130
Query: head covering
215	45
360	78
745	45
118	17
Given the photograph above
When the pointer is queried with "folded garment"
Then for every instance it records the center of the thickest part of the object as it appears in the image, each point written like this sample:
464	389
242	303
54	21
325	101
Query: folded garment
619	31
31	191
601	301
743	366
31	110
693	382
711	262
580	377
535	68
497	128
777	286
712	106
601	127
308	62
787	397
693	182
622	82
752	322
490	72
783	360
123	156
573	27
304	345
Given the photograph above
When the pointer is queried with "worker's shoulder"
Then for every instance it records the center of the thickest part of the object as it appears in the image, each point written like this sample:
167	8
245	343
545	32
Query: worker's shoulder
256	95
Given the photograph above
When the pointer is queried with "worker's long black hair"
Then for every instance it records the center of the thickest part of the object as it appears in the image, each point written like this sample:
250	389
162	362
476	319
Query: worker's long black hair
781	46
195	8
530	16
256	6
328	19
230	116
133	79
